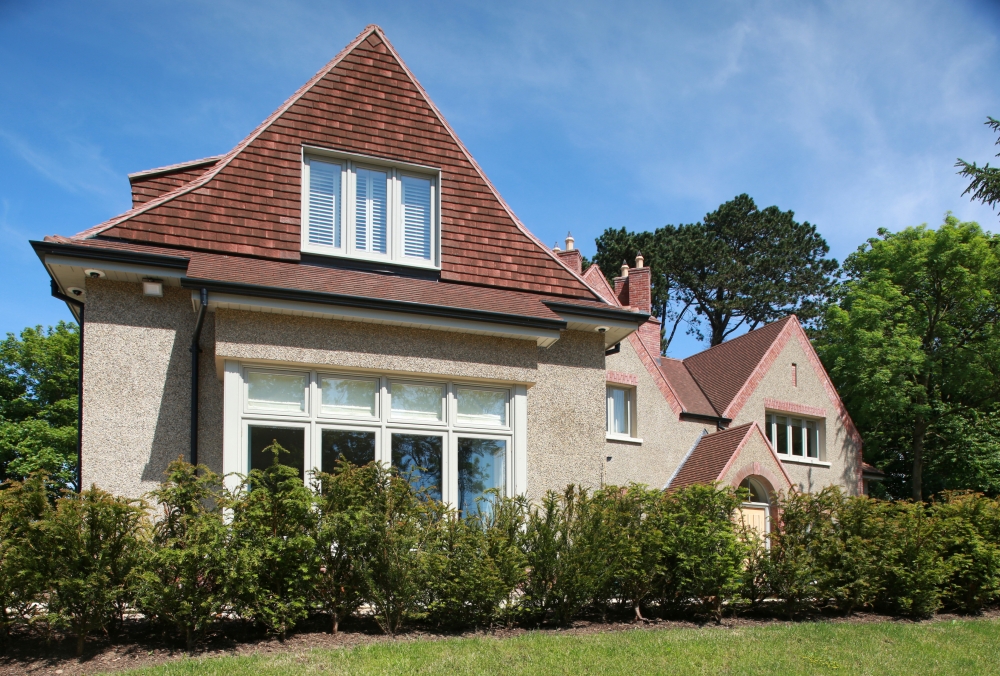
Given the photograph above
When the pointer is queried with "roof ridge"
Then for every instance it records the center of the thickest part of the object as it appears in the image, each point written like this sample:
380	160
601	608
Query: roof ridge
228	157
733	340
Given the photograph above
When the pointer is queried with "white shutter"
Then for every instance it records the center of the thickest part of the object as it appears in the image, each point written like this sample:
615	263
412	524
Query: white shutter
416	217
370	211
324	203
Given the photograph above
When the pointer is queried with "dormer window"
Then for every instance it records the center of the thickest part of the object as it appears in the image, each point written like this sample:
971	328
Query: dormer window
358	207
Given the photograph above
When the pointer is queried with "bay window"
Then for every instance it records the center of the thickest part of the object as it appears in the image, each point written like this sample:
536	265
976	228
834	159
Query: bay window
454	441
361	208
793	436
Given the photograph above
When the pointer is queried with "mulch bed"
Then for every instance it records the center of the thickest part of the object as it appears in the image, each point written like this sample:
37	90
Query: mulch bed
138	645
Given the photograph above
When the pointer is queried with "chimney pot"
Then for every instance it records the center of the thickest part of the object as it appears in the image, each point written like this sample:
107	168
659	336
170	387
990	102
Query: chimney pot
624	269
555	247
639	260
569	241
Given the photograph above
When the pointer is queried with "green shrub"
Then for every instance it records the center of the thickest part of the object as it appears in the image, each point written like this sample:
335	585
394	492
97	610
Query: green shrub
564	566
908	558
475	563
92	544
630	544
275	553
23	507
394	532
970	538
703	555
344	509
184	574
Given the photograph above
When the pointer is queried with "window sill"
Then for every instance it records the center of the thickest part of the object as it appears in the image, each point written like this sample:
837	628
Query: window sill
330	252
798	460
625	439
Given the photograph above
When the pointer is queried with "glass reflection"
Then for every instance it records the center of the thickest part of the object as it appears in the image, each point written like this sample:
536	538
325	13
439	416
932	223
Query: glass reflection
418	458
348	397
482	407
355	446
416	402
291	439
276	391
481	467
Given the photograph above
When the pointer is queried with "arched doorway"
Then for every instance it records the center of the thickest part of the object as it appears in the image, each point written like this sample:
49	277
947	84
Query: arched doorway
756	511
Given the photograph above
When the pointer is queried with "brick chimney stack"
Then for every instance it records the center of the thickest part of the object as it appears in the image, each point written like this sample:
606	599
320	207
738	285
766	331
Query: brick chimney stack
571	256
634	289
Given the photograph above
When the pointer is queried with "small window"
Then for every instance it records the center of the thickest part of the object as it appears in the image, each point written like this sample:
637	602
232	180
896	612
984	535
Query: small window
363	210
793	436
417	402
795	375
348	397
620	411
482	466
292	443
419	458
481	408
278	392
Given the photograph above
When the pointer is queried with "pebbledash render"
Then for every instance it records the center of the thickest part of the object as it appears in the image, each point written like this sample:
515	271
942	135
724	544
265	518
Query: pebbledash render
346	281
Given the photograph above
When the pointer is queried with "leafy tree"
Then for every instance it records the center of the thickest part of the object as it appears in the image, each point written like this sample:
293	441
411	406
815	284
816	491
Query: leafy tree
39	377
739	267
913	346
184	574
985	180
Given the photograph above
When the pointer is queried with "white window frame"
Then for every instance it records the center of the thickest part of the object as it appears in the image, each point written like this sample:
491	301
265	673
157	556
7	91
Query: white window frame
633	419
395	170
237	418
785	455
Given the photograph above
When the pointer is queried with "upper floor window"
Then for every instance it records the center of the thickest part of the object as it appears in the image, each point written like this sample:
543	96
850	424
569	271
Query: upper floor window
793	436
621	411
365	209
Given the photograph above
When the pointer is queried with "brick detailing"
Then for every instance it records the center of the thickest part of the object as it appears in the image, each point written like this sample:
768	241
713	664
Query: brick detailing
649	334
599	283
621	291
639	289
792	407
775	483
754	429
364	101
650	363
622	378
573	259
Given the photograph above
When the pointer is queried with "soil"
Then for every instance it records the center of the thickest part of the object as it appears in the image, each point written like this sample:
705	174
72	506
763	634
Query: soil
137	645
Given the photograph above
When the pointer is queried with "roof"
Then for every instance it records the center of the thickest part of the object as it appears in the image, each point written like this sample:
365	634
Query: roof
871	471
690	395
710	456
364	101
722	371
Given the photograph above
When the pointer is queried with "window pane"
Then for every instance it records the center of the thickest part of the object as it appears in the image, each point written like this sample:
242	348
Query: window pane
276	391
416	217
797	437
324	203
812	437
370	211
781	425
355	446
418	458
768	422
481	407
618	414
291	439
417	402
348	397
482	465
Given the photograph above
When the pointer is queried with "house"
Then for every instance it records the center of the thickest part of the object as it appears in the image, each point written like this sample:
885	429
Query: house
347	281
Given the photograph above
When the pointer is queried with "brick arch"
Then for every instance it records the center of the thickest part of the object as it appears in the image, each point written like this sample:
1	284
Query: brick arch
773	483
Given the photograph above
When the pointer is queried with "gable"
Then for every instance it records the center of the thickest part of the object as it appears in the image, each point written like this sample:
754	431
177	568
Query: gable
367	102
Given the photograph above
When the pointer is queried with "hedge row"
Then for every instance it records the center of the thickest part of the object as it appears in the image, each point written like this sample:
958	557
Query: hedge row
278	552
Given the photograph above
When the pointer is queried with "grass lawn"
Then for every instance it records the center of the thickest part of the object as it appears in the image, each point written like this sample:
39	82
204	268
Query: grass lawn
948	647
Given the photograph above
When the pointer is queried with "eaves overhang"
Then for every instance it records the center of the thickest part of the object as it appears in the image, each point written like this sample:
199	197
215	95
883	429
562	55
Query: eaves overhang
278	300
614	323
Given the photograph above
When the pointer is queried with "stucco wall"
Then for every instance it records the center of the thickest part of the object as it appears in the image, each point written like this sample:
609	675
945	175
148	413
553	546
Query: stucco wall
755	459
840	451
665	439
136	393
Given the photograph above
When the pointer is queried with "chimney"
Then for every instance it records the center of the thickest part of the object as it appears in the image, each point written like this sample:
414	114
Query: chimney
571	256
621	285
634	289
639	282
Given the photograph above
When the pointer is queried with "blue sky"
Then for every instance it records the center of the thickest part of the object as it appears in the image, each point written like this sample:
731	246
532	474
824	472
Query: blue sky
586	115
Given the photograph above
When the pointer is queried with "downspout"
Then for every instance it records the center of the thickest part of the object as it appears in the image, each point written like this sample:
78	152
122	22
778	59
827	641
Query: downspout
195	350
56	293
